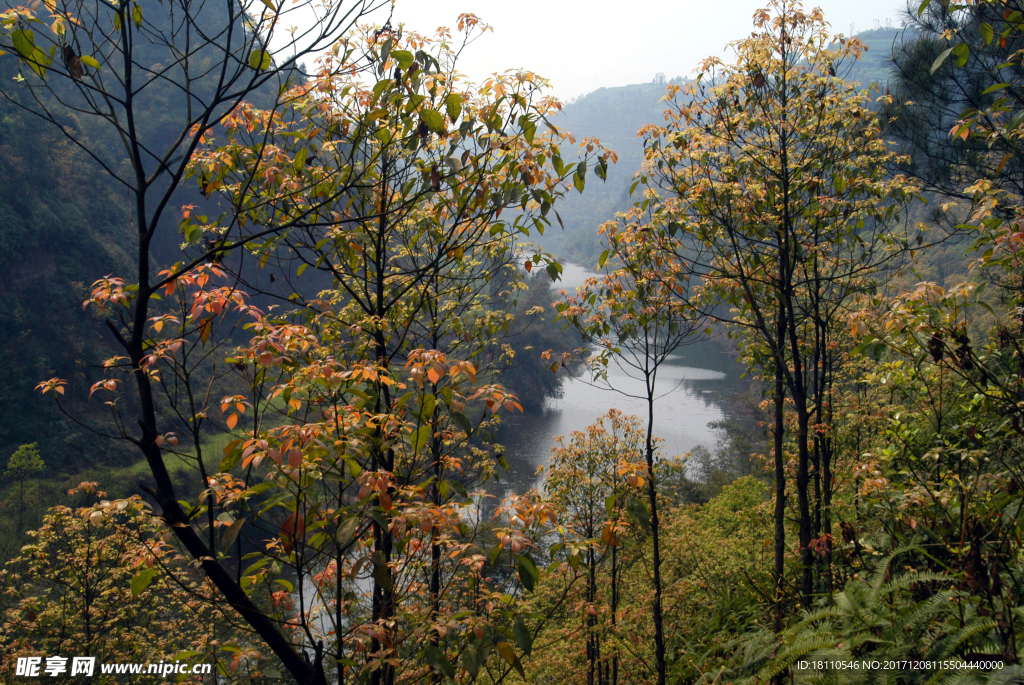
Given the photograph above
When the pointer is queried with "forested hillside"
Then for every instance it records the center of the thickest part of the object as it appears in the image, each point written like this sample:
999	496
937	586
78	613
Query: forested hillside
269	299
60	222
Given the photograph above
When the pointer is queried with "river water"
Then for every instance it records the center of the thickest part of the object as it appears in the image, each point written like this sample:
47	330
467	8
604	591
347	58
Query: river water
693	390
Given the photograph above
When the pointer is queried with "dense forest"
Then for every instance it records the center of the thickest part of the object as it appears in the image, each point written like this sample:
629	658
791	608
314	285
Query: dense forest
270	295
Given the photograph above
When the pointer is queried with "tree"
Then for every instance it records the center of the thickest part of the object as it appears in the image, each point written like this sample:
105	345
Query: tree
946	69
24	463
768	194
205	59
635	319
585	480
368	416
98	581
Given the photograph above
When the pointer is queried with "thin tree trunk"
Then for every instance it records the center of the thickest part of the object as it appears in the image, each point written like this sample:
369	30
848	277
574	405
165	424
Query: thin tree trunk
615	607
652	497
803	502
780	490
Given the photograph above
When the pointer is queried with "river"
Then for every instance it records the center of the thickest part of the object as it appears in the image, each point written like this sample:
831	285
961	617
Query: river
693	390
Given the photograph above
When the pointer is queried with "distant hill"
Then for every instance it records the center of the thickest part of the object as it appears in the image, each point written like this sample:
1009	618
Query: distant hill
875	64
614	115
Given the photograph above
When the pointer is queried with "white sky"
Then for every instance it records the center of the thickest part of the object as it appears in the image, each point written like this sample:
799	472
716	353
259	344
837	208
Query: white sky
582	46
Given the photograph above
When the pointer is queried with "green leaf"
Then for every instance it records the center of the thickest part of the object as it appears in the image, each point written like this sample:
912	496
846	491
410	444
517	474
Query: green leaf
463	421
141	581
259	60
529	127
347	531
24	42
453	104
459	488
637	511
433	119
385	50
259	488
509	655
230	460
354	468
403	57
89	61
420	438
137	14
438	661
379	88
960	54
231	534
939	60
427	404
383	135
528	572
1015	121
522	634
556	162
993	88
609	504
39	60
472	661
986	32
580	177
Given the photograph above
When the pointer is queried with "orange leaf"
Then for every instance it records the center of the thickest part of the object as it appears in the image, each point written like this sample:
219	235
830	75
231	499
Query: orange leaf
232	421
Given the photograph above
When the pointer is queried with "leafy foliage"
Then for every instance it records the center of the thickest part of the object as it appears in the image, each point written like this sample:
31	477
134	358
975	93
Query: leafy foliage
98	580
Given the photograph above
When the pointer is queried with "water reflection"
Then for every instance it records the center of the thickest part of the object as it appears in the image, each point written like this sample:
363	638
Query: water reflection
691	396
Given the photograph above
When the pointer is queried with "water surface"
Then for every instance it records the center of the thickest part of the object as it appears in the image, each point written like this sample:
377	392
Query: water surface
693	387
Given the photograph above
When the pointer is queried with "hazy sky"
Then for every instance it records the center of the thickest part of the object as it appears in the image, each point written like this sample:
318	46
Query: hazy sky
582	46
